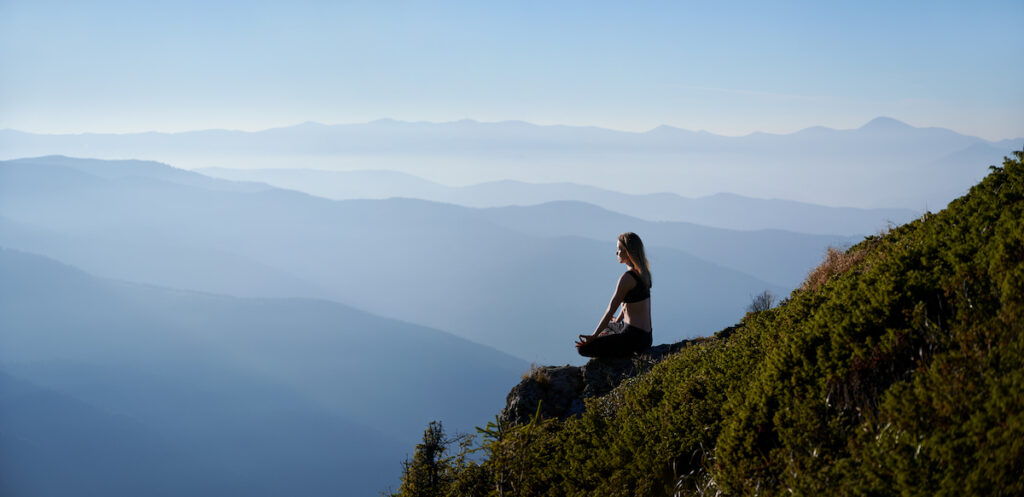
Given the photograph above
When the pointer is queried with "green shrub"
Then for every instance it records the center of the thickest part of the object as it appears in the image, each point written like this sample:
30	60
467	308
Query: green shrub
900	370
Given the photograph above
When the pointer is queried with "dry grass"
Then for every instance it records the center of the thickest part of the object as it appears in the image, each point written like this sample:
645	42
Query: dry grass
538	374
836	262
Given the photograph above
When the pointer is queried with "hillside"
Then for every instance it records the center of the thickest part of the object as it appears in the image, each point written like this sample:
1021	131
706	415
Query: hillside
200	394
145	223
896	370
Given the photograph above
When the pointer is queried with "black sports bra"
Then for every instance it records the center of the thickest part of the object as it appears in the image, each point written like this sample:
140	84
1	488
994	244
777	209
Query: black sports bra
639	292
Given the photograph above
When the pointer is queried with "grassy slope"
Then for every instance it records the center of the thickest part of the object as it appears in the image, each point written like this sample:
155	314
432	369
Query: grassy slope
902	375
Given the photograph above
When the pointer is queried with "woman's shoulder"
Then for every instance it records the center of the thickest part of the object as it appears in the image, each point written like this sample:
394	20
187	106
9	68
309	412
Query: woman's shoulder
632	278
636	276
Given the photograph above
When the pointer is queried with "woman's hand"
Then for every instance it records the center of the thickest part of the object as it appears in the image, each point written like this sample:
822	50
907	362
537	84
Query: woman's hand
583	340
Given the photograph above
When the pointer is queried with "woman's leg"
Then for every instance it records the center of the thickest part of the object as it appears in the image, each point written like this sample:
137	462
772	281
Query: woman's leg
605	346
644	340
631	340
638	340
618	345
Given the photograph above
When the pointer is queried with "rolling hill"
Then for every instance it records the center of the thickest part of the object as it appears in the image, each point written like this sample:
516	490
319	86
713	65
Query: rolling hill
720	210
440	265
207	393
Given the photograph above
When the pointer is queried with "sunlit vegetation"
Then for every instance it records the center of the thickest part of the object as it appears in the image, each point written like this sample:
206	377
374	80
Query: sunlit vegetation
896	370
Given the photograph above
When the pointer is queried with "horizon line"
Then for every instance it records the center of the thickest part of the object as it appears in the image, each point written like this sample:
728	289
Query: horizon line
475	121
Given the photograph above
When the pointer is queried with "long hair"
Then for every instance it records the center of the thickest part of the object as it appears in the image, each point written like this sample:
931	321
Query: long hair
637	258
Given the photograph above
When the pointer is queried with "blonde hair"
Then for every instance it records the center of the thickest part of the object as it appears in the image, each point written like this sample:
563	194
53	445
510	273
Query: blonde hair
635	252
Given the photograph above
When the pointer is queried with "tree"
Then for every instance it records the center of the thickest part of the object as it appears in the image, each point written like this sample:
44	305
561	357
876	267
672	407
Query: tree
762	302
432	472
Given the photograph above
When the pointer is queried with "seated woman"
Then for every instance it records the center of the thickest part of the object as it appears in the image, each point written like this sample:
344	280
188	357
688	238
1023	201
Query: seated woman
631	331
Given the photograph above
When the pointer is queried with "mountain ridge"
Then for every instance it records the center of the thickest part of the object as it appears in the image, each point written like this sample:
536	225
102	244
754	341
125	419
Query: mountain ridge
361	252
876	165
269	393
895	369
880	122
719	210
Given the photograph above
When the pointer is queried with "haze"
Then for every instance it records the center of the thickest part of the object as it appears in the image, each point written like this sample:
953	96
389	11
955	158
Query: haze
255	248
733	69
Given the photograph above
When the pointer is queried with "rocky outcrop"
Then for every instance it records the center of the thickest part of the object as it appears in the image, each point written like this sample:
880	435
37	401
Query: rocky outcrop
560	391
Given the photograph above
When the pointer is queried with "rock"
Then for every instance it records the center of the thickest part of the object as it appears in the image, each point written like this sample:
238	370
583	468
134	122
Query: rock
561	390
553	388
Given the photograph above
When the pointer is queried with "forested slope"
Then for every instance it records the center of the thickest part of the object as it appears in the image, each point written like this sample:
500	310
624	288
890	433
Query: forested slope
895	370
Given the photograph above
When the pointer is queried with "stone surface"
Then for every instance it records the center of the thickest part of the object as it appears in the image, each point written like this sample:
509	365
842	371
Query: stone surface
560	391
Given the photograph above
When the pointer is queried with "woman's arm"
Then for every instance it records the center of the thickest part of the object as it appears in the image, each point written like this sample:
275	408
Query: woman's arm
623	287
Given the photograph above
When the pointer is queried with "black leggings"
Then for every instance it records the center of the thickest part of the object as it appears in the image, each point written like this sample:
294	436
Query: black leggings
631	340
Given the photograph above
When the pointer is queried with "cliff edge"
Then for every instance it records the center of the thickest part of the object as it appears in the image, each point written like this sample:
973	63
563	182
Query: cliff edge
561	391
895	369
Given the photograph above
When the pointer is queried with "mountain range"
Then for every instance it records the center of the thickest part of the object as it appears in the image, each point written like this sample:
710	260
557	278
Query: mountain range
522	280
721	210
212	336
122	388
885	163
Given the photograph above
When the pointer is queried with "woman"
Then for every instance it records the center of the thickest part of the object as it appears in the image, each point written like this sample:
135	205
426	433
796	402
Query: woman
631	331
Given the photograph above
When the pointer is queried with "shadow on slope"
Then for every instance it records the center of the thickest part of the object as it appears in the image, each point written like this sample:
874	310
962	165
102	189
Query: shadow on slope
277	396
441	265
899	375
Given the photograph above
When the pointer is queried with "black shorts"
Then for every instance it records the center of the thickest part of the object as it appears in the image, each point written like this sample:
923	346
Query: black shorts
631	340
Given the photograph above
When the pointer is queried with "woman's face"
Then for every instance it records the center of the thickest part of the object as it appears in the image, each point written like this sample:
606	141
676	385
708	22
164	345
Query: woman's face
620	252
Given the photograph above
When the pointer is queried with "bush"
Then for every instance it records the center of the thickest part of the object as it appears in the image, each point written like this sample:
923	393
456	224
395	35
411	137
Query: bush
836	262
762	302
896	370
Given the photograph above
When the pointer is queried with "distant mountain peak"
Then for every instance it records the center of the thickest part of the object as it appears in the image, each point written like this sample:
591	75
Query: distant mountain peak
816	130
665	129
886	124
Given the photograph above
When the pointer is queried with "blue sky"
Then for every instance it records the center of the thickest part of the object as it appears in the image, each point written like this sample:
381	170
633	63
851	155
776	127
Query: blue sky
726	67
